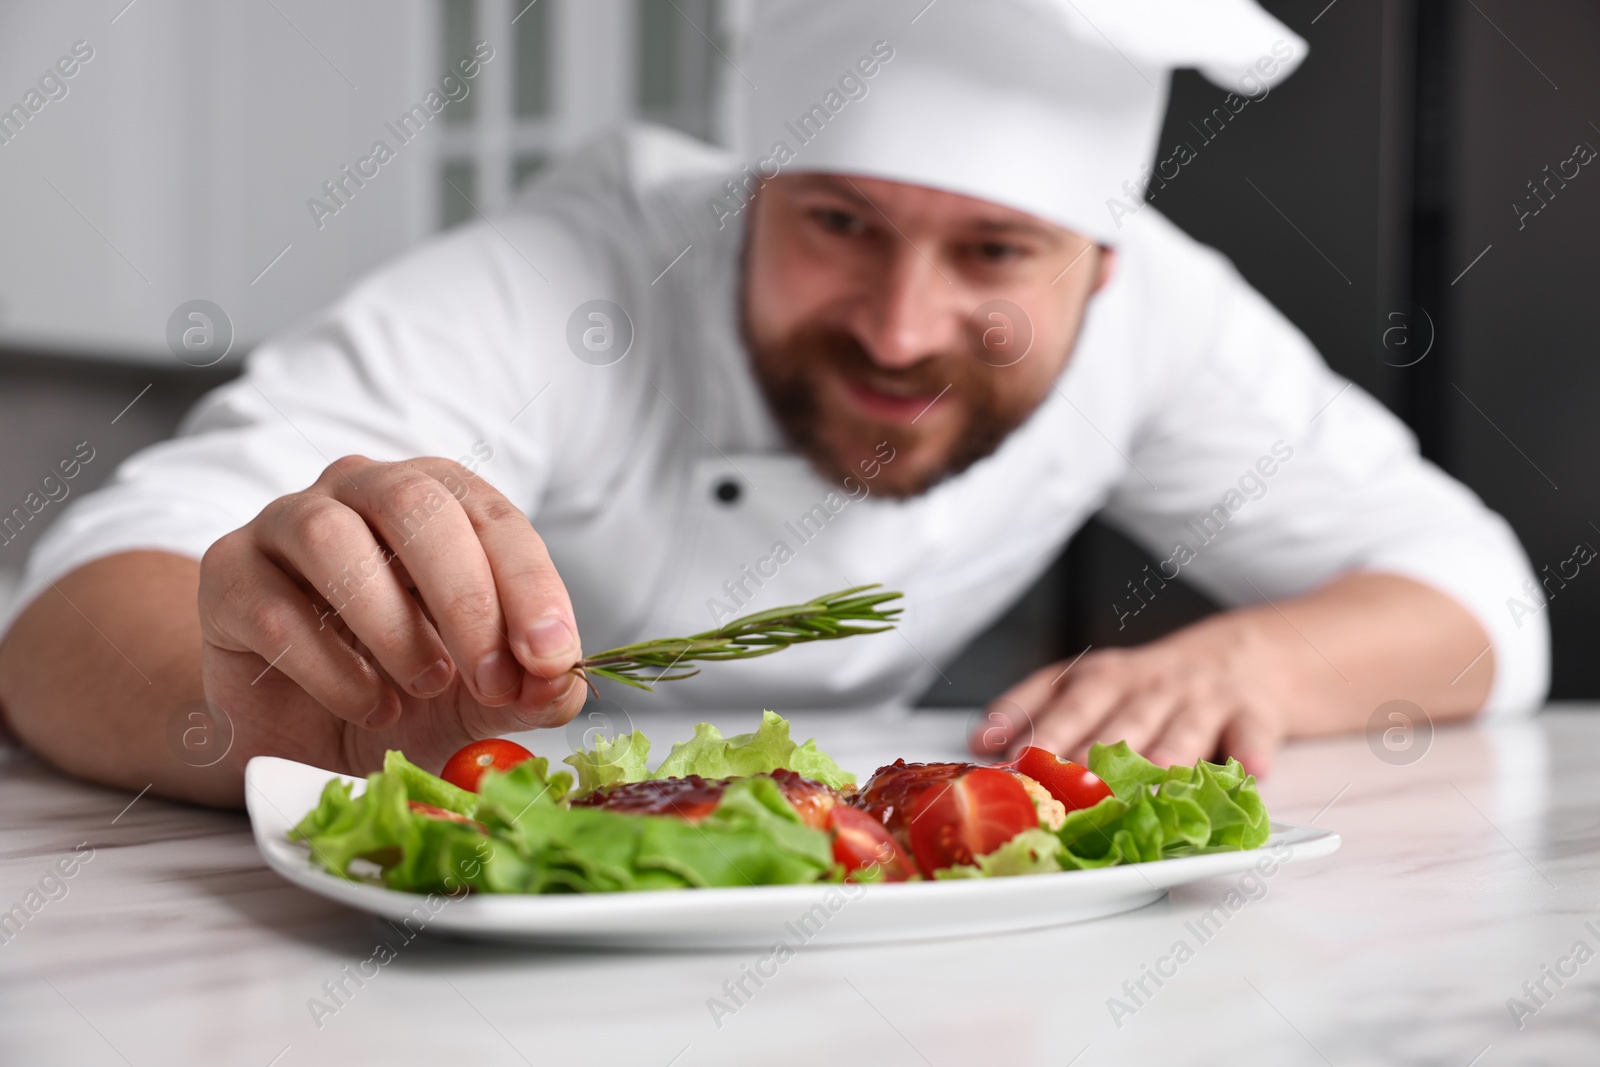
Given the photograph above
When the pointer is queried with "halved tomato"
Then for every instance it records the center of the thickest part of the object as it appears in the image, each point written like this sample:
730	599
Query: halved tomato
466	767
860	841
1071	783
972	815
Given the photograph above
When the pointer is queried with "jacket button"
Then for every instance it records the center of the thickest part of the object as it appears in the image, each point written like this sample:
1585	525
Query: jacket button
727	491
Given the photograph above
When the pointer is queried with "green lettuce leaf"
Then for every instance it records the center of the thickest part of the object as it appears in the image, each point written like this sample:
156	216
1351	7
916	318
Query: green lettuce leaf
1236	812
528	841
710	755
1030	852
705	754
331	807
753	837
1087	833
808	761
611	762
1124	770
506	797
551	849
415	850
376	825
428	788
524	838
1157	813
541	846
440	856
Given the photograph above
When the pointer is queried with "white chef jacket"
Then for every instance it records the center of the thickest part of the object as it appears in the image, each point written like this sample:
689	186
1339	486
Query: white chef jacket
1183	379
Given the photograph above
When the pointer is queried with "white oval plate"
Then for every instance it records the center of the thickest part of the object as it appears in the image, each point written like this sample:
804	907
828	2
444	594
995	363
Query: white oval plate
279	792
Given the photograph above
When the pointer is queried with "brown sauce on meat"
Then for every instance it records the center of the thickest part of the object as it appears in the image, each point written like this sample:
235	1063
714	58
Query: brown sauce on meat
812	800
892	791
693	798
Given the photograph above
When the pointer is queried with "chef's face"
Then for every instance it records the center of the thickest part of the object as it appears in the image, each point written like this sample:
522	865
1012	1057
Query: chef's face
878	312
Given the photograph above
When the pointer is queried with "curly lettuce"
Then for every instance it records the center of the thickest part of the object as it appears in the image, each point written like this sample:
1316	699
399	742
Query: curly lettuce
1154	813
709	755
521	838
413	850
1157	813
1030	852
519	833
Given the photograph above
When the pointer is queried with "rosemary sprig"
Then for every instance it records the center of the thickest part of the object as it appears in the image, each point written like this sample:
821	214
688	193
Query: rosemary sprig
825	618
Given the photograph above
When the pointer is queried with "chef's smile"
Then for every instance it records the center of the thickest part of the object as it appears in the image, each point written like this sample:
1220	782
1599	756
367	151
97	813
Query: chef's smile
860	301
889	405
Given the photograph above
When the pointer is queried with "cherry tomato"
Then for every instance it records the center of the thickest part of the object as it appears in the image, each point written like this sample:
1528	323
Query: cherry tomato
892	791
860	841
466	767
976	813
1071	783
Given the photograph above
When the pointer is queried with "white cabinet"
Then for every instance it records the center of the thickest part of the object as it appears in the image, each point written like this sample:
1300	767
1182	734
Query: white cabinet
228	150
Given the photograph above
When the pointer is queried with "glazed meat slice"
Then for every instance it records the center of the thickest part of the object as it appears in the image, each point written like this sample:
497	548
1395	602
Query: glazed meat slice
812	800
891	791
693	798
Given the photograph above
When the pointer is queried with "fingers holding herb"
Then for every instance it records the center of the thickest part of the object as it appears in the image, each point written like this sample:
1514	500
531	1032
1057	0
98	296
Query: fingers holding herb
421	510
255	621
323	543
386	605
540	625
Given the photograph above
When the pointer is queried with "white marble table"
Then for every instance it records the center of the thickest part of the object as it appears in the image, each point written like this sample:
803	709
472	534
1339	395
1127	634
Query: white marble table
1462	876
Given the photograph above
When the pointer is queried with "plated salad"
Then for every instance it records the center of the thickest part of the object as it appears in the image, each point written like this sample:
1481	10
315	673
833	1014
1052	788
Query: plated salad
760	809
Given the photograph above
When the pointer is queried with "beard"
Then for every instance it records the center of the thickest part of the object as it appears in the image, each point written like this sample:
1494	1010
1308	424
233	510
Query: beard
792	371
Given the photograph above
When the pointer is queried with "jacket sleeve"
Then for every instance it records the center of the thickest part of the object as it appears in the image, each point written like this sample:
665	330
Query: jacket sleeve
428	357
1262	474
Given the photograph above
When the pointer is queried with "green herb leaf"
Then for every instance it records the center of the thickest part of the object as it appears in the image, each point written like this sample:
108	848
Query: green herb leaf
843	614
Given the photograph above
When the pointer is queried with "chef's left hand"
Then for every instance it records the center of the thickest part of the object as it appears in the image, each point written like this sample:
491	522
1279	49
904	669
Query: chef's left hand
1204	692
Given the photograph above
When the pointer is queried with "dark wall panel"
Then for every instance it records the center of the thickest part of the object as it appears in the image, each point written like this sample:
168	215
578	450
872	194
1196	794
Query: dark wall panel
1524	418
1304	190
1391	160
50	405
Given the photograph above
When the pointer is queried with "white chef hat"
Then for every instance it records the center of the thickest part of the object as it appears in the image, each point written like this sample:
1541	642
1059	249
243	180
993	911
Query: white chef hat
1045	106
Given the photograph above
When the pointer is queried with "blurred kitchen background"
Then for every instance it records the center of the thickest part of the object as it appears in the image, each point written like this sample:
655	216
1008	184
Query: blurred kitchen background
1400	198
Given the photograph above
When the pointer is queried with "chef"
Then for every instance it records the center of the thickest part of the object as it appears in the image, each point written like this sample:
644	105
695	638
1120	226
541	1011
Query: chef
916	332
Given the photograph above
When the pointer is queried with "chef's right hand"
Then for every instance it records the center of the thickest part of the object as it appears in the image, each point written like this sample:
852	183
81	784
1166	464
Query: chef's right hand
390	605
